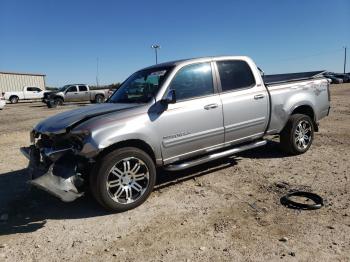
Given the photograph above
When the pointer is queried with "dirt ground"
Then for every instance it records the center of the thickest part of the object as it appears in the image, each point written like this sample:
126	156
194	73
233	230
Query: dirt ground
228	210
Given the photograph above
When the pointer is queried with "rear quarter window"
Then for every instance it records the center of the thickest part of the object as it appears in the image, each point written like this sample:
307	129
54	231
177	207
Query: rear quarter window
235	74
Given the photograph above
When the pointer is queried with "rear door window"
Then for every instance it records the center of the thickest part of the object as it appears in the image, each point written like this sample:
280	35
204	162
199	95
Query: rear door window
235	74
82	88
193	81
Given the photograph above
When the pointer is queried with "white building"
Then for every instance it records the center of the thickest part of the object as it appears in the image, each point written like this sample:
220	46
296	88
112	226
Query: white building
10	81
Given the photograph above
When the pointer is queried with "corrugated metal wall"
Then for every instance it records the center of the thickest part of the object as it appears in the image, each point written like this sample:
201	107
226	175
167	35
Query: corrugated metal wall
16	82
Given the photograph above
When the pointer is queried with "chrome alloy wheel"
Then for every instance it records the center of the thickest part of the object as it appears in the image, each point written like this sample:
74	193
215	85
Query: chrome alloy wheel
128	180
303	134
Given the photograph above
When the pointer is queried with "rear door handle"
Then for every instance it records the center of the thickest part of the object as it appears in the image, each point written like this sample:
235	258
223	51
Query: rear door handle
260	96
210	106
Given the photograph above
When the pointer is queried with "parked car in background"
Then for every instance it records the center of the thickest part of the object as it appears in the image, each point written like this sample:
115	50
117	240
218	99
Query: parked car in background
333	79
2	102
74	93
344	77
174	115
28	93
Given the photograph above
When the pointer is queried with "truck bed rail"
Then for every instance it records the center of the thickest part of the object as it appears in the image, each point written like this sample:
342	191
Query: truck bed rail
291	77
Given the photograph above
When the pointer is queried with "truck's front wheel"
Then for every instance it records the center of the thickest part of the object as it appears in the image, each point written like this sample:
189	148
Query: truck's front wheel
124	179
53	103
297	136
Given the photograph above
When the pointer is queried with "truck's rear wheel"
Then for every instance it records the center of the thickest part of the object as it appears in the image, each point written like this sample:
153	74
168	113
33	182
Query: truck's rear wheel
297	136
124	179
14	99
99	99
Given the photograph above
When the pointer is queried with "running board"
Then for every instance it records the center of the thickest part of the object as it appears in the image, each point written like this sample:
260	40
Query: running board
198	161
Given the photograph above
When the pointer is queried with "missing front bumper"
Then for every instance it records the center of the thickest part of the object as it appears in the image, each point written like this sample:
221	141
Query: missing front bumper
62	188
59	179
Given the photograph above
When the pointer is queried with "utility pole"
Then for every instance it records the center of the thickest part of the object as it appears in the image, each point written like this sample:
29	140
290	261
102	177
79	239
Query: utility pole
97	72
156	47
345	59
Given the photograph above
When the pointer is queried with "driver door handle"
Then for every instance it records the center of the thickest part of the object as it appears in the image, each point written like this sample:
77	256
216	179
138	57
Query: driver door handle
260	96
210	106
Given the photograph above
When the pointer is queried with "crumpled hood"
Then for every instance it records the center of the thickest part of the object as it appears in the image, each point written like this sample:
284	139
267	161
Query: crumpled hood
58	124
50	93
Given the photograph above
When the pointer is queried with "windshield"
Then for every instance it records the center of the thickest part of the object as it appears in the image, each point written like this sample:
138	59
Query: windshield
141	87
61	89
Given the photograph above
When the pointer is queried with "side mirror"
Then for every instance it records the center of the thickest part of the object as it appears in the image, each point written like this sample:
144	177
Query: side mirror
170	97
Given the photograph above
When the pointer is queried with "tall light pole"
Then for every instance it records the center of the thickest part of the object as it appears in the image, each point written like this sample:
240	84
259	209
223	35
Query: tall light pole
97	72
156	47
344	59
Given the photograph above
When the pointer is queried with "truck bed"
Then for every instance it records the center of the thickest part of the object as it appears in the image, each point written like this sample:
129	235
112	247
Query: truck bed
284	93
291	77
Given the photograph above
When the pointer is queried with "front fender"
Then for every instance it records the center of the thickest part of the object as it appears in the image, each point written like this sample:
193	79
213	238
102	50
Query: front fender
107	131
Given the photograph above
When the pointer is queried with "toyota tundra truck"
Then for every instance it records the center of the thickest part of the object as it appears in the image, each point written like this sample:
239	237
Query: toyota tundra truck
173	116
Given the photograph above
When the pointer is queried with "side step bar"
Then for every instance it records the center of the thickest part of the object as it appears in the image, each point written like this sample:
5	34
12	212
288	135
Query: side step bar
198	161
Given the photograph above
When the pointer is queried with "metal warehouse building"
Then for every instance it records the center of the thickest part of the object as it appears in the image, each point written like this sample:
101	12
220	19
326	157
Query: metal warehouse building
10	81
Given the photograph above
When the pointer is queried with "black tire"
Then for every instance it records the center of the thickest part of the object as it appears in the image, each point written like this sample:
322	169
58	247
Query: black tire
58	101
99	99
288	202
290	141
103	171
14	99
50	104
53	103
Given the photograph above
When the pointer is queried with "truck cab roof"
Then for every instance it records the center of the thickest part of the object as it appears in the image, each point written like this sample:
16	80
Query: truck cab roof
194	60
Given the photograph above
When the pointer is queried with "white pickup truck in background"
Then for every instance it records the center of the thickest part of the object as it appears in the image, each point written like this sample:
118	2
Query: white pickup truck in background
28	93
2	102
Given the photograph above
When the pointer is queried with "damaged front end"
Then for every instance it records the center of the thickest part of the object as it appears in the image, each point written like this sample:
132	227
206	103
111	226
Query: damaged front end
56	166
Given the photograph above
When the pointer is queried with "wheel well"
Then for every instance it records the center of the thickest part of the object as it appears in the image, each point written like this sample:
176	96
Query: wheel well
140	144
306	110
13	96
99	95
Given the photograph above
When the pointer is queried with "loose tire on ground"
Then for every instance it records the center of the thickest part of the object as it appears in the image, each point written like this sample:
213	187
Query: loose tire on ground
297	136
14	99
316	199
123	179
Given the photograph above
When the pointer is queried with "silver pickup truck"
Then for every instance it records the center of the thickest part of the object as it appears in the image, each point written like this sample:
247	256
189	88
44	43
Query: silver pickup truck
74	93
173	115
